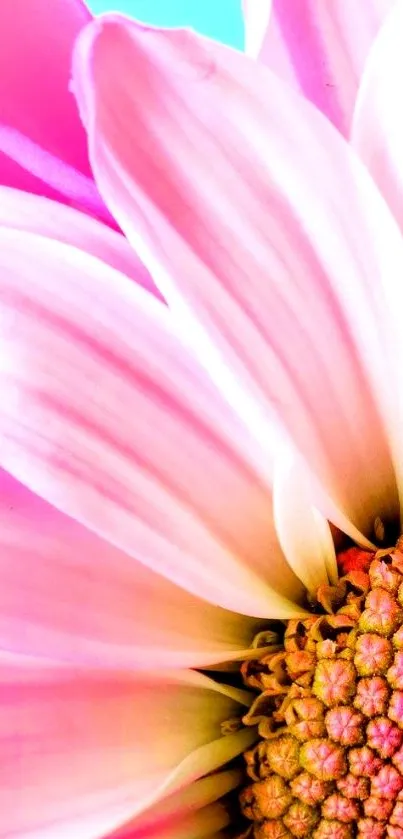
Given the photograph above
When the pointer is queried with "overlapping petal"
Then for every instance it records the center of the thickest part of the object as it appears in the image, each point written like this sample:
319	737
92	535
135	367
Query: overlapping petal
304	534
206	823
319	48
377	132
105	414
23	211
69	595
42	143
82	752
268	239
191	813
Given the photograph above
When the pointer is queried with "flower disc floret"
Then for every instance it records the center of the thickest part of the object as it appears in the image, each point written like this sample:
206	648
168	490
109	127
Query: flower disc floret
370	829
383	575
271	829
387	783
381	614
364	762
332	829
334	681
397	814
397	638
267	799
394	832
378	808
373	654
333	760
283	756
323	759
345	726
301	819
343	809
310	790
372	696
353	787
395	673
395	710
384	736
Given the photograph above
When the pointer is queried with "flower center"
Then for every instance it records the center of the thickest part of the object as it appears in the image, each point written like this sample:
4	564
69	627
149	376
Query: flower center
329	764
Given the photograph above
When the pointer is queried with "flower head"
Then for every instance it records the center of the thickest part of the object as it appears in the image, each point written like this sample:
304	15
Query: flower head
169	468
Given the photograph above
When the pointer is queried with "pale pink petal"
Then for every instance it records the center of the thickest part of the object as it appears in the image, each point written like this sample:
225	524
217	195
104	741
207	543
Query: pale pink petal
304	534
42	143
37	214
377	132
190	807
69	595
203	824
256	20
106	415
317	46
191	813
268	239
83	752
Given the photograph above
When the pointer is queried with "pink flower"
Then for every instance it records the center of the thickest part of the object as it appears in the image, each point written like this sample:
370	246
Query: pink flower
43	146
168	471
320	49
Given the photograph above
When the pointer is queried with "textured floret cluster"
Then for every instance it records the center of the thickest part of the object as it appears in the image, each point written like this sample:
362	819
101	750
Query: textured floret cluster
329	764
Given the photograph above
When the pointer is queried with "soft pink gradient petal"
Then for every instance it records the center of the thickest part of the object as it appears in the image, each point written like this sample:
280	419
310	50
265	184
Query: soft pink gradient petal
69	595
304	534
318	46
37	214
267	238
190	813
202	824
83	752
377	132
42	143
105	415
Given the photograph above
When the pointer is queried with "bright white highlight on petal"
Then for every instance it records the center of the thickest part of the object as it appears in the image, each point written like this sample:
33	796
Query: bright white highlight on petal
257	18
377	131
241	214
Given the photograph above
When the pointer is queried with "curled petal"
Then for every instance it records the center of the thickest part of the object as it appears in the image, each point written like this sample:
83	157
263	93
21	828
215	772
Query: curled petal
240	211
106	415
319	48
84	752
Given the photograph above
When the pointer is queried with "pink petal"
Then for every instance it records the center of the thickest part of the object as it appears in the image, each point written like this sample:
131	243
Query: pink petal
304	534
191	813
68	595
83	752
36	214
268	240
202	824
319	48
377	132
42	142
105	415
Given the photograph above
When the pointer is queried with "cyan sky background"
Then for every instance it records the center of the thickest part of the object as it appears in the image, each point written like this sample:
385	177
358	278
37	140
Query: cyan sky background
220	19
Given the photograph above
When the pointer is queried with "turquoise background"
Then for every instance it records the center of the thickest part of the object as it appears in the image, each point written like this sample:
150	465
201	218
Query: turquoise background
220	19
